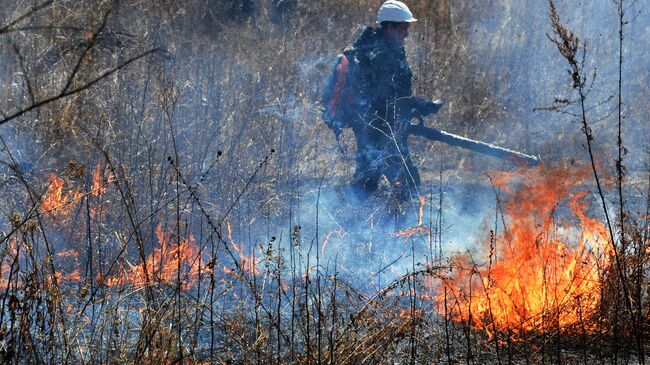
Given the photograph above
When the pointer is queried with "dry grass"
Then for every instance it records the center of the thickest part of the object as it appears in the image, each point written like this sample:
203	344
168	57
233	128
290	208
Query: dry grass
186	221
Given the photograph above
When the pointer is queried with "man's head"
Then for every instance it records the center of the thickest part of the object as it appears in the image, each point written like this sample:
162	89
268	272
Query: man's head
395	11
396	31
395	18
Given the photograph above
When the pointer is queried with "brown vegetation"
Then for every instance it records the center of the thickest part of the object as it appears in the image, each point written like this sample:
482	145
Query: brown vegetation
167	182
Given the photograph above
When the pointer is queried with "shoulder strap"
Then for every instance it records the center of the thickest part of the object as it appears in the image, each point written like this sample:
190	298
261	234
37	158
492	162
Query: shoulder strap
341	77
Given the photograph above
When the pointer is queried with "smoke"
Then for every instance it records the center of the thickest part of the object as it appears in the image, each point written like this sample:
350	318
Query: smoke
526	72
202	183
247	80
369	243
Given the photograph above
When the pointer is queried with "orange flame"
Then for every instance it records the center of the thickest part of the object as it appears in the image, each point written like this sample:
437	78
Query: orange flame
422	201
247	262
98	187
57	202
162	265
420	228
69	253
72	277
549	262
410	232
13	256
10	255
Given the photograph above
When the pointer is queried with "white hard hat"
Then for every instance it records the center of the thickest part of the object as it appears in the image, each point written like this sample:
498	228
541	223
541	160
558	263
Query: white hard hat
395	11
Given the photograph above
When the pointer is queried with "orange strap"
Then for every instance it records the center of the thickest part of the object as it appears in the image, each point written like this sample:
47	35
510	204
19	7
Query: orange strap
341	71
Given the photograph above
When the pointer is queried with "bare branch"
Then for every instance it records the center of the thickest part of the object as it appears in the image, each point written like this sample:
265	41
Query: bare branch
21	62
45	27
89	46
35	9
64	94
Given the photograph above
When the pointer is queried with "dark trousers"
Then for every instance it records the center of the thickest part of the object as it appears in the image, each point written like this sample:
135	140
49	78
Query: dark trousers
374	160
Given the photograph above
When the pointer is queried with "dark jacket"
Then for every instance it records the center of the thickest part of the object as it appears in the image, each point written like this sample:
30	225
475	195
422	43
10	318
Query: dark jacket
385	73
384	84
385	80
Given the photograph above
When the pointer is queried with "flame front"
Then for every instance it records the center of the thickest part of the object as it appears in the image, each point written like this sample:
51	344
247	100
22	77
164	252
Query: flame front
171	263
546	269
57	202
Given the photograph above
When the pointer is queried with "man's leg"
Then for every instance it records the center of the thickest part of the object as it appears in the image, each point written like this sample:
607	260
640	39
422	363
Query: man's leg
369	163
403	176
366	178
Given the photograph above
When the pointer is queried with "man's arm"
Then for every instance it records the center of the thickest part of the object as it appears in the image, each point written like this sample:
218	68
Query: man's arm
415	107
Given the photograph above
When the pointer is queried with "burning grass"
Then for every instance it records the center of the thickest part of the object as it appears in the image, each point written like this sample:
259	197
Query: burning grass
172	262
544	273
547	268
172	251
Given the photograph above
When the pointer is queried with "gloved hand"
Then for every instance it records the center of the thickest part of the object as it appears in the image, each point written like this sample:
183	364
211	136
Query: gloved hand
414	107
436	105
426	107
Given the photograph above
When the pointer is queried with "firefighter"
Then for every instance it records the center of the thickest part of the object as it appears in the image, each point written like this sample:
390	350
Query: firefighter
384	83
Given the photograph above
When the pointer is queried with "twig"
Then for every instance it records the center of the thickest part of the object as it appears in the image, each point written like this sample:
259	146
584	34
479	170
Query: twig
81	58
64	94
21	61
33	10
568	45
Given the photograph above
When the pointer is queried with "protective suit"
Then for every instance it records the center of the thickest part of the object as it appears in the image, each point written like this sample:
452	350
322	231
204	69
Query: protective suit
380	128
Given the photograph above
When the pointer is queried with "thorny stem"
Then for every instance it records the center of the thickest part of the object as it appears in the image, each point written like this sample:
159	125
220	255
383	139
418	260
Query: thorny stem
127	199
90	273
332	336
620	169
279	306
35	199
307	310
293	232
440	217
568	45
318	285
412	299
487	288
469	319
169	104
215	226
447	339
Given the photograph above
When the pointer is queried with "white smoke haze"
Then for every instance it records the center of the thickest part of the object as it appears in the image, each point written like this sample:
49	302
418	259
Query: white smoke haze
218	136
